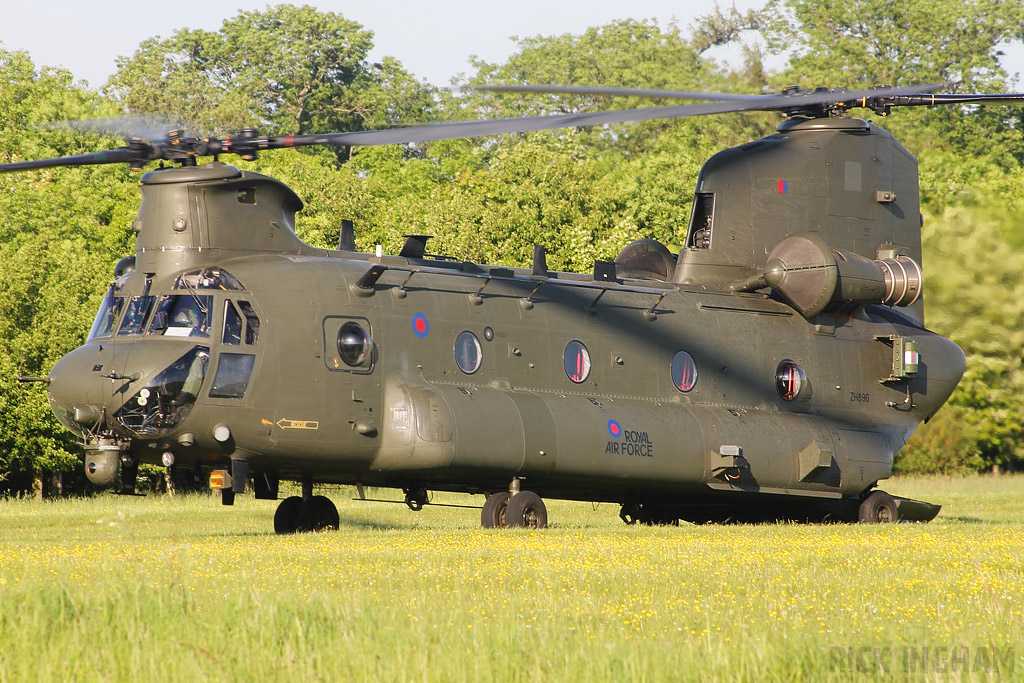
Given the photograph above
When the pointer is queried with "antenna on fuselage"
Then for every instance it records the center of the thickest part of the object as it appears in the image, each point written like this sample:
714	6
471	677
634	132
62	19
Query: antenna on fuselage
415	246
540	261
347	239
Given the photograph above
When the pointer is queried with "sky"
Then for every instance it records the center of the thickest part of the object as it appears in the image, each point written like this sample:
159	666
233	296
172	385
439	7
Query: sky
432	38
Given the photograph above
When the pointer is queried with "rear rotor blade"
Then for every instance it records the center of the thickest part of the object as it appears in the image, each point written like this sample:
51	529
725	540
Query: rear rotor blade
466	129
626	92
809	103
928	100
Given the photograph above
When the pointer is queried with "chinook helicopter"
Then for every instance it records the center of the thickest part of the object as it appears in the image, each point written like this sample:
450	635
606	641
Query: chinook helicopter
770	369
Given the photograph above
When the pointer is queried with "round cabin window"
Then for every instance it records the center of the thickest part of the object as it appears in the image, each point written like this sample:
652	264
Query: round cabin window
684	371
790	380
468	354
354	345
577	361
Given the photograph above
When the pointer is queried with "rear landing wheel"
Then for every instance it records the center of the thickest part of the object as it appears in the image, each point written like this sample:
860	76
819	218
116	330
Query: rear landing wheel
526	509
493	514
878	508
318	514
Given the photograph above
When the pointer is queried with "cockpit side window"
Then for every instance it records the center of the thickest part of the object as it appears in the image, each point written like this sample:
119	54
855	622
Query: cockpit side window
252	327
106	318
182	315
232	325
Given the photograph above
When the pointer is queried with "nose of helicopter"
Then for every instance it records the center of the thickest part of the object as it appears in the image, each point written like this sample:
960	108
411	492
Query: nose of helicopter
90	382
95	382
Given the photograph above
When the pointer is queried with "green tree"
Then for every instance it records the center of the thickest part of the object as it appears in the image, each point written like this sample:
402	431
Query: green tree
62	230
976	297
287	69
857	43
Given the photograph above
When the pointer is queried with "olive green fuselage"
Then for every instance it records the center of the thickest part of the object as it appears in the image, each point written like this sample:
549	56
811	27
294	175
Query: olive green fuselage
413	417
241	354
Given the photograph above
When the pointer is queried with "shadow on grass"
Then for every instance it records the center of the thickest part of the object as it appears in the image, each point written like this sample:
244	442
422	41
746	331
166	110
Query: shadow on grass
964	520
374	526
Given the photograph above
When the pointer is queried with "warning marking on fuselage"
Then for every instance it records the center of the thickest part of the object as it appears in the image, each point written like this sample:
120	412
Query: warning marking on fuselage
298	424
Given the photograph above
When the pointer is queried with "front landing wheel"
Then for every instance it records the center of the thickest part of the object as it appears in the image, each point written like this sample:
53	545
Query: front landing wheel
878	508
286	519
318	514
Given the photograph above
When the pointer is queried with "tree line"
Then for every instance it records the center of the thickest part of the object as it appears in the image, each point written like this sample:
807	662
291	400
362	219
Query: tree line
582	193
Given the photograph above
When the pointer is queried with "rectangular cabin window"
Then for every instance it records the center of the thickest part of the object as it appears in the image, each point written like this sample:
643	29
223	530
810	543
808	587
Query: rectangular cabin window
701	221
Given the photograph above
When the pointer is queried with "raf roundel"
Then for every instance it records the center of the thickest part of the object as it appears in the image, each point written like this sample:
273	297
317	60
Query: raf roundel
614	429
420	325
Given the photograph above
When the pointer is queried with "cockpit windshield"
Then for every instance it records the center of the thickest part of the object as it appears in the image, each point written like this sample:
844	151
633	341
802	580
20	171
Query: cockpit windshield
135	319
106	319
183	315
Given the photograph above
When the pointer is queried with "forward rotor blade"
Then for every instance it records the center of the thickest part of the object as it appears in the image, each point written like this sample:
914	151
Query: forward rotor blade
143	126
110	156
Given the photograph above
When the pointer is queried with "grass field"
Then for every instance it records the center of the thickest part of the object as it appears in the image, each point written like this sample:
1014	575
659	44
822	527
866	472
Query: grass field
172	589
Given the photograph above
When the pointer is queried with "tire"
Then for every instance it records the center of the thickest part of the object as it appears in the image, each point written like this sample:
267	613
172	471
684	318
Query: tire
286	519
318	514
526	509
655	516
630	513
878	508
493	514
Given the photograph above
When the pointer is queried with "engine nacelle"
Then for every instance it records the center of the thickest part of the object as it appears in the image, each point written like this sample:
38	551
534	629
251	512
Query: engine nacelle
809	275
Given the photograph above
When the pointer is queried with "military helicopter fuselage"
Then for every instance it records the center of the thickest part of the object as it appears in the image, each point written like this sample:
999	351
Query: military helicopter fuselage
773	368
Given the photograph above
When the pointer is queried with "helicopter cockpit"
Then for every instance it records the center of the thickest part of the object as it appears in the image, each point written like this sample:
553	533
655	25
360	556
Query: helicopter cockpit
187	311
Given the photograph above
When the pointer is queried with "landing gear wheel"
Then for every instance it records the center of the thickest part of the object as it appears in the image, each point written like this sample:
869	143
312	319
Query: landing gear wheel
526	509
318	514
878	508
286	519
630	513
656	516
416	498
493	514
